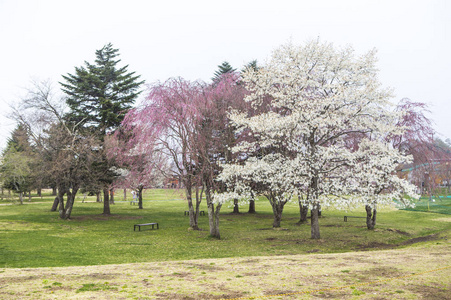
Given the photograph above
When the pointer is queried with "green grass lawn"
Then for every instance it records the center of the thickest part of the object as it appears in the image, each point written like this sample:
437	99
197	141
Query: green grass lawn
32	236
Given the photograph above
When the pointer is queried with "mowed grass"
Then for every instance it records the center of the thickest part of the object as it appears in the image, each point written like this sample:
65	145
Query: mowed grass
32	236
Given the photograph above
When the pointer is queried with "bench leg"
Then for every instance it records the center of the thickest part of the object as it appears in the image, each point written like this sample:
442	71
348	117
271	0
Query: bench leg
346	219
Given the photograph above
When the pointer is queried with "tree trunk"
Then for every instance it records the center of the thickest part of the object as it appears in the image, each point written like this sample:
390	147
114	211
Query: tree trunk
140	197
303	211
192	215
251	207
277	209
54	191
213	215
39	191
319	210
111	196
314	222
106	201
29	196
61	209
370	217
2	194
236	208
55	204
98	197
21	197
70	202
125	194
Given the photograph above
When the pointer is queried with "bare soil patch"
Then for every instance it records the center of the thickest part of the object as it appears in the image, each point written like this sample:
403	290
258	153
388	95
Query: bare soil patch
419	272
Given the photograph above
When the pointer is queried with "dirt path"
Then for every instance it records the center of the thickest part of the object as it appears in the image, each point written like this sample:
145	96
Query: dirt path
421	272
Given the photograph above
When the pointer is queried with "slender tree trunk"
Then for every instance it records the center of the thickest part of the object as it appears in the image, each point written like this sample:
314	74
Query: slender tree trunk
39	192
213	215
125	194
319	210
70	202
112	196
29	196
98	197
2	194
192	214
236	208
106	201
140	197
61	209
54	191
21	197
370	217
314	222
55	204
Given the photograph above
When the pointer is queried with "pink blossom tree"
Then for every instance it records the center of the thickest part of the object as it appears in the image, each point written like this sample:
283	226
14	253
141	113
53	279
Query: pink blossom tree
187	122
139	164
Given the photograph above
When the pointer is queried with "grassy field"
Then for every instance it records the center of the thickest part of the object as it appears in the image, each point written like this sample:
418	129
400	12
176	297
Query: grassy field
32	237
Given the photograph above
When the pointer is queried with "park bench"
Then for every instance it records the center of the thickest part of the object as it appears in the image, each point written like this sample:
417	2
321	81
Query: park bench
201	213
145	224
346	218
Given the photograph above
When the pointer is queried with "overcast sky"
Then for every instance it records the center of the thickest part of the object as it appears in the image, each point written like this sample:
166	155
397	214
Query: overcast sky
160	39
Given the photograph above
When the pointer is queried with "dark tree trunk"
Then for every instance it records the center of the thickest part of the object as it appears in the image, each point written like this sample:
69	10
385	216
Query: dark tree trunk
53	190
29	196
140	197
370	217
98	197
319	210
314	222
251	207
303	211
2	194
236	208
39	191
55	204
106	202
125	194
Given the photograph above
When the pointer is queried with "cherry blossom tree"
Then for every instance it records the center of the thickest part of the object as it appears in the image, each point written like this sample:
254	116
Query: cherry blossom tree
187	122
139	163
320	95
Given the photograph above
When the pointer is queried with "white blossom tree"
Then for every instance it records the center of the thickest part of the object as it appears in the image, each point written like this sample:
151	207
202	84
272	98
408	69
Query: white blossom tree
321	98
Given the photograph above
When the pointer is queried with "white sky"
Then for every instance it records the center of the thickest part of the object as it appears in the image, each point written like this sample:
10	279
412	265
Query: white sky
44	39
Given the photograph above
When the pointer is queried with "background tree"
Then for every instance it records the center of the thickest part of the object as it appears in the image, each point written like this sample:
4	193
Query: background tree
99	95
17	161
224	68
140	164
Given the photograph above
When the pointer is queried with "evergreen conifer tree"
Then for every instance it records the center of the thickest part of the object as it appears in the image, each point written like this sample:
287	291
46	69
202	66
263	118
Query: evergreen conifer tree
223	68
100	94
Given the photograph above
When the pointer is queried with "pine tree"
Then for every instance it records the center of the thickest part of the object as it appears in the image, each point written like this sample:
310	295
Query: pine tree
223	68
100	94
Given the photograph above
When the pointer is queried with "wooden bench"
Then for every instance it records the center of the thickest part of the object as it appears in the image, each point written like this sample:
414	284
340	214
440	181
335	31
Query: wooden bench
201	213
346	218
145	224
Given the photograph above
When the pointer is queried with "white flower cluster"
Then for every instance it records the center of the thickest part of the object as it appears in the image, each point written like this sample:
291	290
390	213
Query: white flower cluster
323	133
